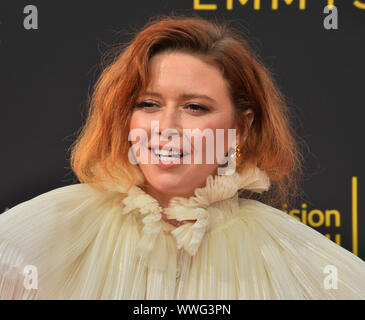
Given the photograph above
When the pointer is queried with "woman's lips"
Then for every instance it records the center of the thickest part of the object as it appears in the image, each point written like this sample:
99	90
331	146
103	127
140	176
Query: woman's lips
173	163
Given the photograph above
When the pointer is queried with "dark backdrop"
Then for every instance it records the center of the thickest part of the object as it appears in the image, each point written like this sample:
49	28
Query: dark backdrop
46	75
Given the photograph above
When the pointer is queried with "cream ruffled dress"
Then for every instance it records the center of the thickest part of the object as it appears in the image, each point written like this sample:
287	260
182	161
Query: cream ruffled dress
84	243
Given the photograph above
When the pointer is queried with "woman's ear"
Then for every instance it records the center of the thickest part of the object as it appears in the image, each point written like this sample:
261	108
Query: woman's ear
249	115
242	132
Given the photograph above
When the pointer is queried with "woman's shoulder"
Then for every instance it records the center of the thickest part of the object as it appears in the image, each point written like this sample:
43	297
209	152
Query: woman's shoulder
61	198
287	231
51	230
68	192
307	254
67	206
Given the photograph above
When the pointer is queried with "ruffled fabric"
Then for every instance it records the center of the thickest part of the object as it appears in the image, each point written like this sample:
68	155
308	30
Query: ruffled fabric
189	235
217	188
138	200
92	244
49	232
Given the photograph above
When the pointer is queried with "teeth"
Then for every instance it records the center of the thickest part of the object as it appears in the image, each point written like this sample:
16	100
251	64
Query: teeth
165	153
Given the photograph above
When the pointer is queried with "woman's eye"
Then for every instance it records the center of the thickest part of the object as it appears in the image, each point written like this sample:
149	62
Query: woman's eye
193	107
197	108
145	104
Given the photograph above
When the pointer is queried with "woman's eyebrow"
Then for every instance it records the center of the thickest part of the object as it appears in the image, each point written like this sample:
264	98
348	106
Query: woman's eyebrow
183	96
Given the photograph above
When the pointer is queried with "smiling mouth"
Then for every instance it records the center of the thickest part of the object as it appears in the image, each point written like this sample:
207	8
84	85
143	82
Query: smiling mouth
167	155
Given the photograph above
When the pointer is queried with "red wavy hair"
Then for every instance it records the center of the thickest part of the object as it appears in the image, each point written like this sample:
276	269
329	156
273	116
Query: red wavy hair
270	144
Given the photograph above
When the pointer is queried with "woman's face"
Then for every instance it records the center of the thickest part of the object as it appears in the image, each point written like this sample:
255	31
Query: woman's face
171	99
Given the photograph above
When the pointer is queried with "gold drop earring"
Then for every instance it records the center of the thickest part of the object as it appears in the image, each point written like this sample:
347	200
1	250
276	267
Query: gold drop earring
236	153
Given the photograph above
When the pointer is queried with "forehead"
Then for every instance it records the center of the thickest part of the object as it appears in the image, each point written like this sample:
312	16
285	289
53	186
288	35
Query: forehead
175	71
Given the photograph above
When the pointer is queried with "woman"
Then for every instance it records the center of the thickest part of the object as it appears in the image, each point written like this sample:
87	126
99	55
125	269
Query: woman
149	220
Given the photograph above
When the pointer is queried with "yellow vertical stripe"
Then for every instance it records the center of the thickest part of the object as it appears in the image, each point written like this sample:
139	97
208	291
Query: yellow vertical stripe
354	216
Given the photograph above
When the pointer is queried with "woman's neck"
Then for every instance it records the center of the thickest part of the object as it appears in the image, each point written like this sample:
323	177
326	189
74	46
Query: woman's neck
162	198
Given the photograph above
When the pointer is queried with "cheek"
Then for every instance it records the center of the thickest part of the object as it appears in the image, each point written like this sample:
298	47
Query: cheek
138	133
137	121
218	147
222	122
221	119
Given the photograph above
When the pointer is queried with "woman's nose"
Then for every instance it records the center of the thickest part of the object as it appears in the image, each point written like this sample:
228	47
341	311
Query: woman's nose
169	122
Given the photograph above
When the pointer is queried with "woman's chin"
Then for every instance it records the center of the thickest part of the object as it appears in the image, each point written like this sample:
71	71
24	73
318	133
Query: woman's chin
172	188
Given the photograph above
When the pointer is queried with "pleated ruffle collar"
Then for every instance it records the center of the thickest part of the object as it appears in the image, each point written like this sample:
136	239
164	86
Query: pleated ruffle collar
190	234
